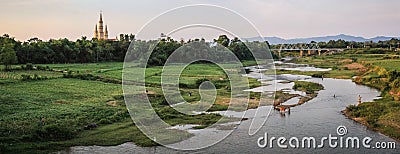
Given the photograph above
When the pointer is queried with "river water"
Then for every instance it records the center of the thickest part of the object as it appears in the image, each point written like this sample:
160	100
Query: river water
317	118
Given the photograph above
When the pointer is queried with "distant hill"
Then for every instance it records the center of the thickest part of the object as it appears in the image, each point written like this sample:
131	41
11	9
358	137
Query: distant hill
278	40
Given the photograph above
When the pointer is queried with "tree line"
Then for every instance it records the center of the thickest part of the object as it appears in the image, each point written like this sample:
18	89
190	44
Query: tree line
83	50
388	44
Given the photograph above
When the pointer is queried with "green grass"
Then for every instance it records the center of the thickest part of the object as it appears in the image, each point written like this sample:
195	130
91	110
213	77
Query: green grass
381	115
16	75
87	67
67	105
308	87
388	64
339	61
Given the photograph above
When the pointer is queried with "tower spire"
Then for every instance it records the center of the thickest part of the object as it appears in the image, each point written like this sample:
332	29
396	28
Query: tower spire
101	15
101	28
96	33
106	33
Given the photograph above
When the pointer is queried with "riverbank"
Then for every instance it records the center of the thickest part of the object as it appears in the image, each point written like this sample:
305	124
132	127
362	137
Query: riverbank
381	116
378	71
390	129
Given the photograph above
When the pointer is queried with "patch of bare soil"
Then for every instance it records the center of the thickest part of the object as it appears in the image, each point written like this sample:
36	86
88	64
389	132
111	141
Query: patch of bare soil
346	61
112	103
354	66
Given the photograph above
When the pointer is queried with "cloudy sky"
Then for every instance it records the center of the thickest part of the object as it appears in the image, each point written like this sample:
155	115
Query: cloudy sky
24	19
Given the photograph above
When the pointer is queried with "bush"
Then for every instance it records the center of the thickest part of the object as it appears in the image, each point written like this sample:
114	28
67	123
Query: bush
317	75
395	83
56	132
118	97
41	68
29	66
26	77
183	85
375	51
352	108
91	77
200	81
217	107
105	121
18	68
217	83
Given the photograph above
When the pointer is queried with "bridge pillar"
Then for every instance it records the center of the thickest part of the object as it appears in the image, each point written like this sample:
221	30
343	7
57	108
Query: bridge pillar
301	53
319	52
309	52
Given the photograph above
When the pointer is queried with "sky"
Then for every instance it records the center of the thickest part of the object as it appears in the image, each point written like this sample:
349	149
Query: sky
72	19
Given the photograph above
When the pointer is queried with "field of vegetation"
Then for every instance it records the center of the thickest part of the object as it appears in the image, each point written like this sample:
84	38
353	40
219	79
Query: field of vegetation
52	106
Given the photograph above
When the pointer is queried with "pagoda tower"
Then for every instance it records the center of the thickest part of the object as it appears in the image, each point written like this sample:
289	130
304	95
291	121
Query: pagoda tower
99	31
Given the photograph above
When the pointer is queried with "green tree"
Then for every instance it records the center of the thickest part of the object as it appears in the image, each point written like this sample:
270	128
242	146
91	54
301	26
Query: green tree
8	55
223	40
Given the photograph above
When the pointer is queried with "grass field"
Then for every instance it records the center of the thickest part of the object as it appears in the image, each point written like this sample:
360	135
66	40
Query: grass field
67	105
388	64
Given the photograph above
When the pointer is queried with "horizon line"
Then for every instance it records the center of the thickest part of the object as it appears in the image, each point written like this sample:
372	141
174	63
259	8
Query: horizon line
303	37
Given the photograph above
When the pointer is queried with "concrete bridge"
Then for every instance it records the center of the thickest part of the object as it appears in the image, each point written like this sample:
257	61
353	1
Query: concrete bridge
311	49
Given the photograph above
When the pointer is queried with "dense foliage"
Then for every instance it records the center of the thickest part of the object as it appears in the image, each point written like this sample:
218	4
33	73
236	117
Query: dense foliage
390	44
82	50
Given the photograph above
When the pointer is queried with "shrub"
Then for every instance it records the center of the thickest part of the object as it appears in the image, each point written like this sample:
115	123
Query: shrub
395	83
183	85
317	75
105	121
118	97
217	107
217	83
91	77
200	81
26	77
56	131
29	66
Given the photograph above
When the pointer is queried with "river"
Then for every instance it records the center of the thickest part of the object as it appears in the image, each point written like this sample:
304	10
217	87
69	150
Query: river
317	118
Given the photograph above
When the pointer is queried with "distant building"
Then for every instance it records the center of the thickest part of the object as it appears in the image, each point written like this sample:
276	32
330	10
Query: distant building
99	31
